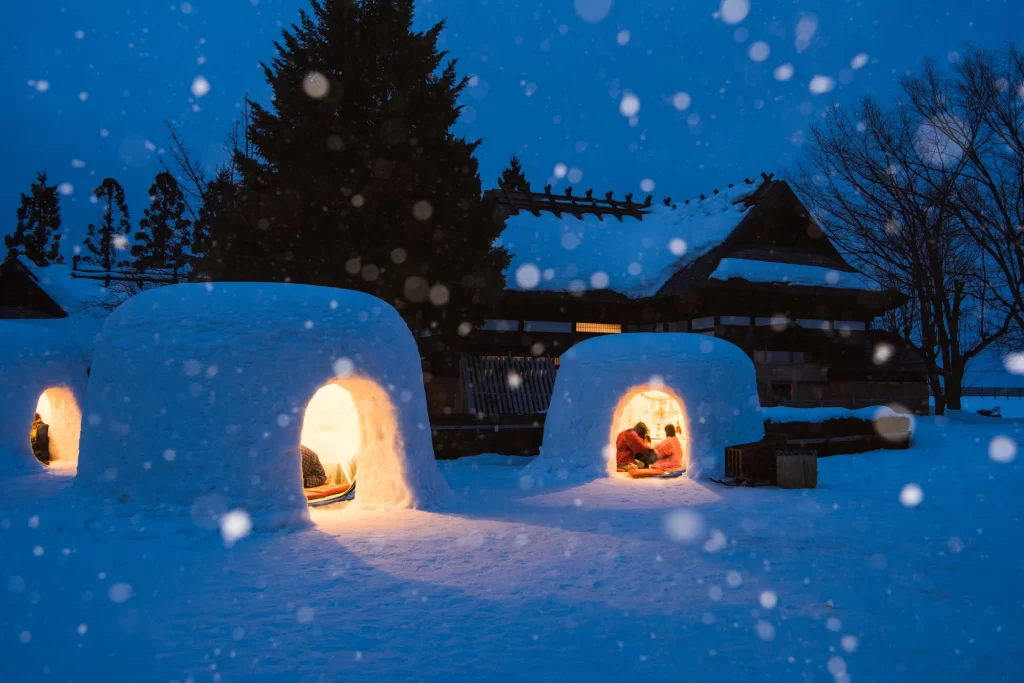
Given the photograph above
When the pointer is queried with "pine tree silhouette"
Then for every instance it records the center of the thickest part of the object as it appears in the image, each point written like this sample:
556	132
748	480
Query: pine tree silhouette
164	232
513	178
357	180
114	226
36	234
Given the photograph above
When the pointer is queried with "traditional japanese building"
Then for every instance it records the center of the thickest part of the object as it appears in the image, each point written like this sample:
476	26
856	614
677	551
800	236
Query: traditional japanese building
747	264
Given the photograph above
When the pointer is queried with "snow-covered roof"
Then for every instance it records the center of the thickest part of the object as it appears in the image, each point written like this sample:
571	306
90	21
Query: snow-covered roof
632	257
791	274
72	295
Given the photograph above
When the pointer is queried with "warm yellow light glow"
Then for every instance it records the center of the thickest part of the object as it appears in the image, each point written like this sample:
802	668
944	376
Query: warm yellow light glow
655	408
57	408
331	429
602	328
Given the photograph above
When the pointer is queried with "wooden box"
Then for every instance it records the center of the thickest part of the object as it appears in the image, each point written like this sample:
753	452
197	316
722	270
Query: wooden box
796	469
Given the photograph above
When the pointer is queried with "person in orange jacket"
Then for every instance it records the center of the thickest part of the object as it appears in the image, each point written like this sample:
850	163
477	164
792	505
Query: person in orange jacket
669	452
631	451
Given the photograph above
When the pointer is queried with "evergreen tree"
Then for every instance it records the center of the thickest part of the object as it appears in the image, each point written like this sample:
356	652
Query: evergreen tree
513	178
357	179
114	225
164	232
213	223
36	234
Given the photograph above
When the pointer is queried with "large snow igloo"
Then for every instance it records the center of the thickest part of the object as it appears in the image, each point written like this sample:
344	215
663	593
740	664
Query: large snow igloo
41	371
606	384
201	395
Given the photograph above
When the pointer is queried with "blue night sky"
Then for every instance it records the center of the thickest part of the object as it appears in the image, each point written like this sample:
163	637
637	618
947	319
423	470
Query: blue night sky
87	85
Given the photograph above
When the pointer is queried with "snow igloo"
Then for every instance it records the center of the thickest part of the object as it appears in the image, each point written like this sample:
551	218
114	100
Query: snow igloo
41	371
202	396
607	384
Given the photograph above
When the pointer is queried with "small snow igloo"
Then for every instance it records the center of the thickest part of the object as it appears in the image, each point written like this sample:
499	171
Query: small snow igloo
607	384
41	371
209	397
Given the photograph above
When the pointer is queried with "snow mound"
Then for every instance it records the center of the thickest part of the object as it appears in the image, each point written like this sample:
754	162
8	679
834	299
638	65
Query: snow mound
34	361
791	274
711	380
198	392
635	258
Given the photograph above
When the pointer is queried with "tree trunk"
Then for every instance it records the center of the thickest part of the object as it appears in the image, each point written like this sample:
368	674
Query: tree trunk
954	386
937	392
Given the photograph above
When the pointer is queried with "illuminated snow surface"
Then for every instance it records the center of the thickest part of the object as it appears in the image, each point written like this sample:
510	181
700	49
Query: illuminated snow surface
659	580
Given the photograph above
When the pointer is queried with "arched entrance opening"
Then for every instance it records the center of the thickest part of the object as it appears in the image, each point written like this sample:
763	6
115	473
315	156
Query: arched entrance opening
55	434
349	428
658	408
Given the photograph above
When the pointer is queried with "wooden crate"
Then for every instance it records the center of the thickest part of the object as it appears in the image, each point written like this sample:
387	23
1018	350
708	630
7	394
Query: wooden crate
796	469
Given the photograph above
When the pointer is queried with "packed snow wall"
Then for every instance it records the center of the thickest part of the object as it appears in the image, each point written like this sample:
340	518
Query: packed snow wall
198	392
36	361
711	380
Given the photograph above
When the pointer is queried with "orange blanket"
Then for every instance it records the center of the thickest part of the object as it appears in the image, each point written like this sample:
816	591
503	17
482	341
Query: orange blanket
643	474
318	492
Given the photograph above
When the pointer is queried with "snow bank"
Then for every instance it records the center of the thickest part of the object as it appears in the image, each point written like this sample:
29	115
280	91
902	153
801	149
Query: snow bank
712	381
198	391
632	257
34	361
780	414
790	274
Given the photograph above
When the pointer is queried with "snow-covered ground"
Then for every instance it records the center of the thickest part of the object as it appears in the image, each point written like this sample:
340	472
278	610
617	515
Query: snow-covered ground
654	580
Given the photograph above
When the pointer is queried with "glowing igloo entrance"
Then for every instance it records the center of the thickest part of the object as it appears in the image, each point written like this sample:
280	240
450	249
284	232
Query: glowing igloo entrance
55	434
350	424
654	408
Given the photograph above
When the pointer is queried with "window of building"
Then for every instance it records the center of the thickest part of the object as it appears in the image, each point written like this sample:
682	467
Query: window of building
599	328
814	324
851	325
762	356
680	326
703	323
774	321
500	325
547	326
735	320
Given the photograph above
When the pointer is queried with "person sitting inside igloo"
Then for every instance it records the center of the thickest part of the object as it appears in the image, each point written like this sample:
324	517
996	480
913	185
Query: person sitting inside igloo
669	453
632	451
39	437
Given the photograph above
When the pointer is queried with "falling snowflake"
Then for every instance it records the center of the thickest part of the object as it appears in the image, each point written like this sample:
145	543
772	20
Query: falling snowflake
783	72
911	495
820	84
200	86
592	11
733	11
629	105
315	85
235	526
1002	449
681	101
759	51
859	61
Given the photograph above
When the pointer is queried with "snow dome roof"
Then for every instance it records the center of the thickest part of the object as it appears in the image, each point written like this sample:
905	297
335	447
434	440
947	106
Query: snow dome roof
635	258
